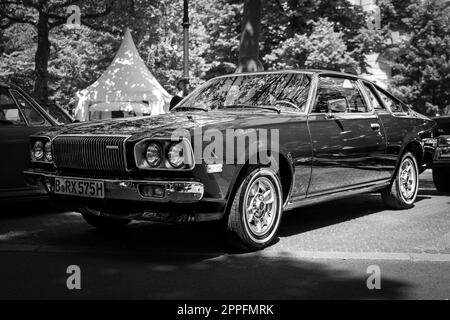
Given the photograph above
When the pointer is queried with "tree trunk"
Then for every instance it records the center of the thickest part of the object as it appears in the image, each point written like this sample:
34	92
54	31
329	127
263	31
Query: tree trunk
41	59
249	47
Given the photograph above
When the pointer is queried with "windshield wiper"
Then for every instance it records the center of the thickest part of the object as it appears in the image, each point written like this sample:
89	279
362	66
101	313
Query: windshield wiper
190	108
243	106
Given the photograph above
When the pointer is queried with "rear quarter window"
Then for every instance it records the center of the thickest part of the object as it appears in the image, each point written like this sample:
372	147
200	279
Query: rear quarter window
393	104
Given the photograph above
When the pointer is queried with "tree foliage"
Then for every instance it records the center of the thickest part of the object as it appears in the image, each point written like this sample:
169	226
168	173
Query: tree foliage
324	48
422	61
329	34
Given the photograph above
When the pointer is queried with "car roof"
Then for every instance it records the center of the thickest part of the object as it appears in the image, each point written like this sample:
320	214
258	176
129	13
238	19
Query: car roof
310	71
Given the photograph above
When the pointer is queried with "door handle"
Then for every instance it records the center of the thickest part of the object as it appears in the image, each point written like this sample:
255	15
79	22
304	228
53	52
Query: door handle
375	126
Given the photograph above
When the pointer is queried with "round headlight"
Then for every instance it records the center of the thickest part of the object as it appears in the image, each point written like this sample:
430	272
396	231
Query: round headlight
153	154
48	151
38	150
175	155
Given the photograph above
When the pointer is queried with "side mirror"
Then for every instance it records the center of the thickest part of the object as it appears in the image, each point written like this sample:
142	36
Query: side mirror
337	105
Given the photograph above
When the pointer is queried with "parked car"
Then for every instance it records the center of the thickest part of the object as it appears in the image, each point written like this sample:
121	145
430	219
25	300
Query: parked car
21	116
441	162
332	135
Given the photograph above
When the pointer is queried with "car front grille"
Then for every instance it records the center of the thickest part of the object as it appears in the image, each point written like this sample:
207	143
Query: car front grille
99	153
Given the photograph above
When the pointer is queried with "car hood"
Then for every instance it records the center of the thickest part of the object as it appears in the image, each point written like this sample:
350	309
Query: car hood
165	124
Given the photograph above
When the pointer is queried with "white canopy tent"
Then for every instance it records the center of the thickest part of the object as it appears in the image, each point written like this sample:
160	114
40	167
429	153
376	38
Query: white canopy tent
127	86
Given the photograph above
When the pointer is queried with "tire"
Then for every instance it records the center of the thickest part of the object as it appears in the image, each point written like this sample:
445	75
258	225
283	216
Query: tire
105	223
255	228
441	179
402	191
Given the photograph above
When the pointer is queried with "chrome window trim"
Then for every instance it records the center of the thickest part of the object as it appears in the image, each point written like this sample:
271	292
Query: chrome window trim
365	98
312	94
370	86
19	109
47	122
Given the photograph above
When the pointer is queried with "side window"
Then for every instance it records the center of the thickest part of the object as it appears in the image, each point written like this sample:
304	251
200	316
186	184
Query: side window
9	112
340	95
392	104
376	104
32	116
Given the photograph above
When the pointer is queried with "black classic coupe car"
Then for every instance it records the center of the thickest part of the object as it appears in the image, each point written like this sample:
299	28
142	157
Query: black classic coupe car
21	116
240	149
441	162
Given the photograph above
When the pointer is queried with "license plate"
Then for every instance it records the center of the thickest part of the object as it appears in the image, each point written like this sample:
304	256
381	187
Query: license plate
84	188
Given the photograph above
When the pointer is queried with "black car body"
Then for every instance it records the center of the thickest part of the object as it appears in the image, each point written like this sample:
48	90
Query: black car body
441	162
336	135
21	116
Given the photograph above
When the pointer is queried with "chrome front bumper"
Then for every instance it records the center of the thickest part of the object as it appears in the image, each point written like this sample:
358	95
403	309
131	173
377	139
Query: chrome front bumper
174	191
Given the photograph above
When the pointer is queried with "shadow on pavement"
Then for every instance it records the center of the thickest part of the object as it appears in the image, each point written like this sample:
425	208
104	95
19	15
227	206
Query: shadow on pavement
322	215
190	277
158	261
26	207
328	213
429	192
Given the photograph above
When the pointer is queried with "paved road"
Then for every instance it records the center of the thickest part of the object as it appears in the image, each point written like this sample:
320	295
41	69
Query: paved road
323	251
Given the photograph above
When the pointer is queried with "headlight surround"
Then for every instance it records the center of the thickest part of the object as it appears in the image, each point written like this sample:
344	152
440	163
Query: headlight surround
175	155
153	154
38	150
48	151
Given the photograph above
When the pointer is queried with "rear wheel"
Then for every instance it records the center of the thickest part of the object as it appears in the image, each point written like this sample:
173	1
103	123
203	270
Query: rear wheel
402	191
105	223
441	179
255	213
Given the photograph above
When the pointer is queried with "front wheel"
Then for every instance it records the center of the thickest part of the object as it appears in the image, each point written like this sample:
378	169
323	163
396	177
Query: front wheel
255	213
441	179
402	191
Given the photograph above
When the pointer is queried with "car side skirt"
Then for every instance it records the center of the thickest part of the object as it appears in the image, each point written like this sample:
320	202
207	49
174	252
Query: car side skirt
343	193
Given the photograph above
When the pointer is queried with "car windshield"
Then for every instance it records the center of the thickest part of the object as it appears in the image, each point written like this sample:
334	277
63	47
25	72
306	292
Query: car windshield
271	91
